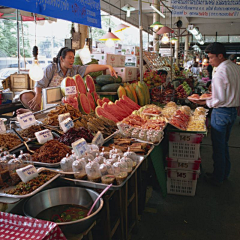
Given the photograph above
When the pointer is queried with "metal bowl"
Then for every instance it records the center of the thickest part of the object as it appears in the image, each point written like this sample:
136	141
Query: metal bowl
65	195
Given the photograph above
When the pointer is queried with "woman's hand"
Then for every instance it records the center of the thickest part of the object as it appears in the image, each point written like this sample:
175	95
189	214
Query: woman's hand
112	71
35	103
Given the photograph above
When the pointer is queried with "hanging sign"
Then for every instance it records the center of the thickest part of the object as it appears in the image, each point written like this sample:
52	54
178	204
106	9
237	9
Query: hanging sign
86	12
206	8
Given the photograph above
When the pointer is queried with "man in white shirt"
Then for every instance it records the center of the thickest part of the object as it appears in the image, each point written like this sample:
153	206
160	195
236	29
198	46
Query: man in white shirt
225	100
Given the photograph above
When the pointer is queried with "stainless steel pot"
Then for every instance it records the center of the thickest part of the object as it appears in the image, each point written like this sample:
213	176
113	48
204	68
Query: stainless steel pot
65	195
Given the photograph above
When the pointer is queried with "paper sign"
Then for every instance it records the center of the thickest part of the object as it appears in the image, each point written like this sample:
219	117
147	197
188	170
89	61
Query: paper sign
62	117
26	120
67	124
98	139
70	90
27	173
80	147
2	127
44	136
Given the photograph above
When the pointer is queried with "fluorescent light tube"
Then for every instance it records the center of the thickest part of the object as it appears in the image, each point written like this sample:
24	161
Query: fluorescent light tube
156	10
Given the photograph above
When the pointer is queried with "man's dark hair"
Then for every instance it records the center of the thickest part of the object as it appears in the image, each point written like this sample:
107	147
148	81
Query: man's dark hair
232	57
216	48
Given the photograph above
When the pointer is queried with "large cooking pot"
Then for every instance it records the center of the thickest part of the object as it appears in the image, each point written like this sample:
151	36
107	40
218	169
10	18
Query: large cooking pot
65	195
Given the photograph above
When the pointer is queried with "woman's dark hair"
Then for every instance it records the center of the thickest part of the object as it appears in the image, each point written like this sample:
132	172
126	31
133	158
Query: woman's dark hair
216	48
195	64
62	53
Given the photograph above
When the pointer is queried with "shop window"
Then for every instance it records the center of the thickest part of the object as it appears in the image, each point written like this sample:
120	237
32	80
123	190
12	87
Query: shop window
210	39
222	39
233	39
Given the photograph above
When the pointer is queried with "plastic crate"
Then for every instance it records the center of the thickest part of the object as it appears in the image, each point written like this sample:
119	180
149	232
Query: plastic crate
182	175
181	187
183	164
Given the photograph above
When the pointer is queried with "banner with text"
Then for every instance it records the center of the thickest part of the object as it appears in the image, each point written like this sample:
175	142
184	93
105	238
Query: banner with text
86	12
206	8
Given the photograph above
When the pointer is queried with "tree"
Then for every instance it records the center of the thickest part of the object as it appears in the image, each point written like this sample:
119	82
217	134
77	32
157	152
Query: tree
8	39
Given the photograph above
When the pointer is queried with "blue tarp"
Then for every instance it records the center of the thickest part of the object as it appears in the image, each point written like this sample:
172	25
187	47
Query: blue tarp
86	12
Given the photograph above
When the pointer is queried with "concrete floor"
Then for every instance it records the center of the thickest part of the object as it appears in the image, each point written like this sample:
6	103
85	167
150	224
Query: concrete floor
213	213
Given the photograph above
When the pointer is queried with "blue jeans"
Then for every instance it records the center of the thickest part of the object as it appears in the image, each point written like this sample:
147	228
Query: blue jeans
222	120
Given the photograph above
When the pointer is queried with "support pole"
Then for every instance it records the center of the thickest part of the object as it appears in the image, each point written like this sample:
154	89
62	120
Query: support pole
186	48
141	41
156	18
18	42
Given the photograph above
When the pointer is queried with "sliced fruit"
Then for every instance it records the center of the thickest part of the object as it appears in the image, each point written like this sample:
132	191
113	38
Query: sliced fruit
130	102
111	110
118	109
91	101
123	106
84	105
106	99
80	84
100	102
95	97
90	84
101	112
67	82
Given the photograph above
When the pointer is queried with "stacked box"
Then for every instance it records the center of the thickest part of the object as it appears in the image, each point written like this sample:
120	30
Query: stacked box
115	60
132	61
130	50
126	73
183	163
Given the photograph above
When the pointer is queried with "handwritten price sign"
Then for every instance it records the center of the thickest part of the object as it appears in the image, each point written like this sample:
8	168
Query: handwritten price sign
44	136
26	120
80	147
70	90
2	127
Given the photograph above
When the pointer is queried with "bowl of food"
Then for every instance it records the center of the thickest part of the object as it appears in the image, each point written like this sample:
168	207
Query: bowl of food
66	206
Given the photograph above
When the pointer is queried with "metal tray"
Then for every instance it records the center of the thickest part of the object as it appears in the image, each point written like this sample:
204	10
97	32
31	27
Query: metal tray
2	194
110	137
89	184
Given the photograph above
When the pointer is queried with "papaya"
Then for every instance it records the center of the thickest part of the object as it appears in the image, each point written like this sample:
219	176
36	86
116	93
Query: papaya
140	85
140	95
121	91
129	93
147	91
133	93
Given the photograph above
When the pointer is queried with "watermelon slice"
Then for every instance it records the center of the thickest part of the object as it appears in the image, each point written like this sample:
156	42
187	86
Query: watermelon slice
100	102
84	105
118	109
125	98
95	97
101	112
110	109
106	100
123	107
91	101
67	82
90	84
80	84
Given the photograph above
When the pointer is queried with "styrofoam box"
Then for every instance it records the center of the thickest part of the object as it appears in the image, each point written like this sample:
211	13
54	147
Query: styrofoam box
132	61
99	56
183	164
183	175
181	187
126	73
130	50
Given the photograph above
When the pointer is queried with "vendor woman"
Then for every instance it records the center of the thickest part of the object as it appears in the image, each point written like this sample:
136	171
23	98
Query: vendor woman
54	73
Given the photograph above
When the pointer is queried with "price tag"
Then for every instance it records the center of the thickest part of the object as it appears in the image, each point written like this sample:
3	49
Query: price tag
26	120
2	127
67	124
80	147
70	90
44	136
62	117
27	173
98	139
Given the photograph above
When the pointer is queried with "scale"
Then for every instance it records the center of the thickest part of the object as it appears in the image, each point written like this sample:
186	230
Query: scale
51	96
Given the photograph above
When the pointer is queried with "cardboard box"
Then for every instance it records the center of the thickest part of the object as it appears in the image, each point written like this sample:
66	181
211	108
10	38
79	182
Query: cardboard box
132	61
126	73
130	50
115	60
19	81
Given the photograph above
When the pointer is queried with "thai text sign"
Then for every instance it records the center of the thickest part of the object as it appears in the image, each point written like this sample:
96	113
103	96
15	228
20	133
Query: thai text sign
206	8
85	12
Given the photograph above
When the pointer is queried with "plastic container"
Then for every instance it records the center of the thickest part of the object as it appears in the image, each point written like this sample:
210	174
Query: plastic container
183	164
181	187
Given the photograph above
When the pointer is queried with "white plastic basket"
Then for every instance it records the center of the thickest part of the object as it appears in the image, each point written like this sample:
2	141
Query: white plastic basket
184	150
181	187
183	164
